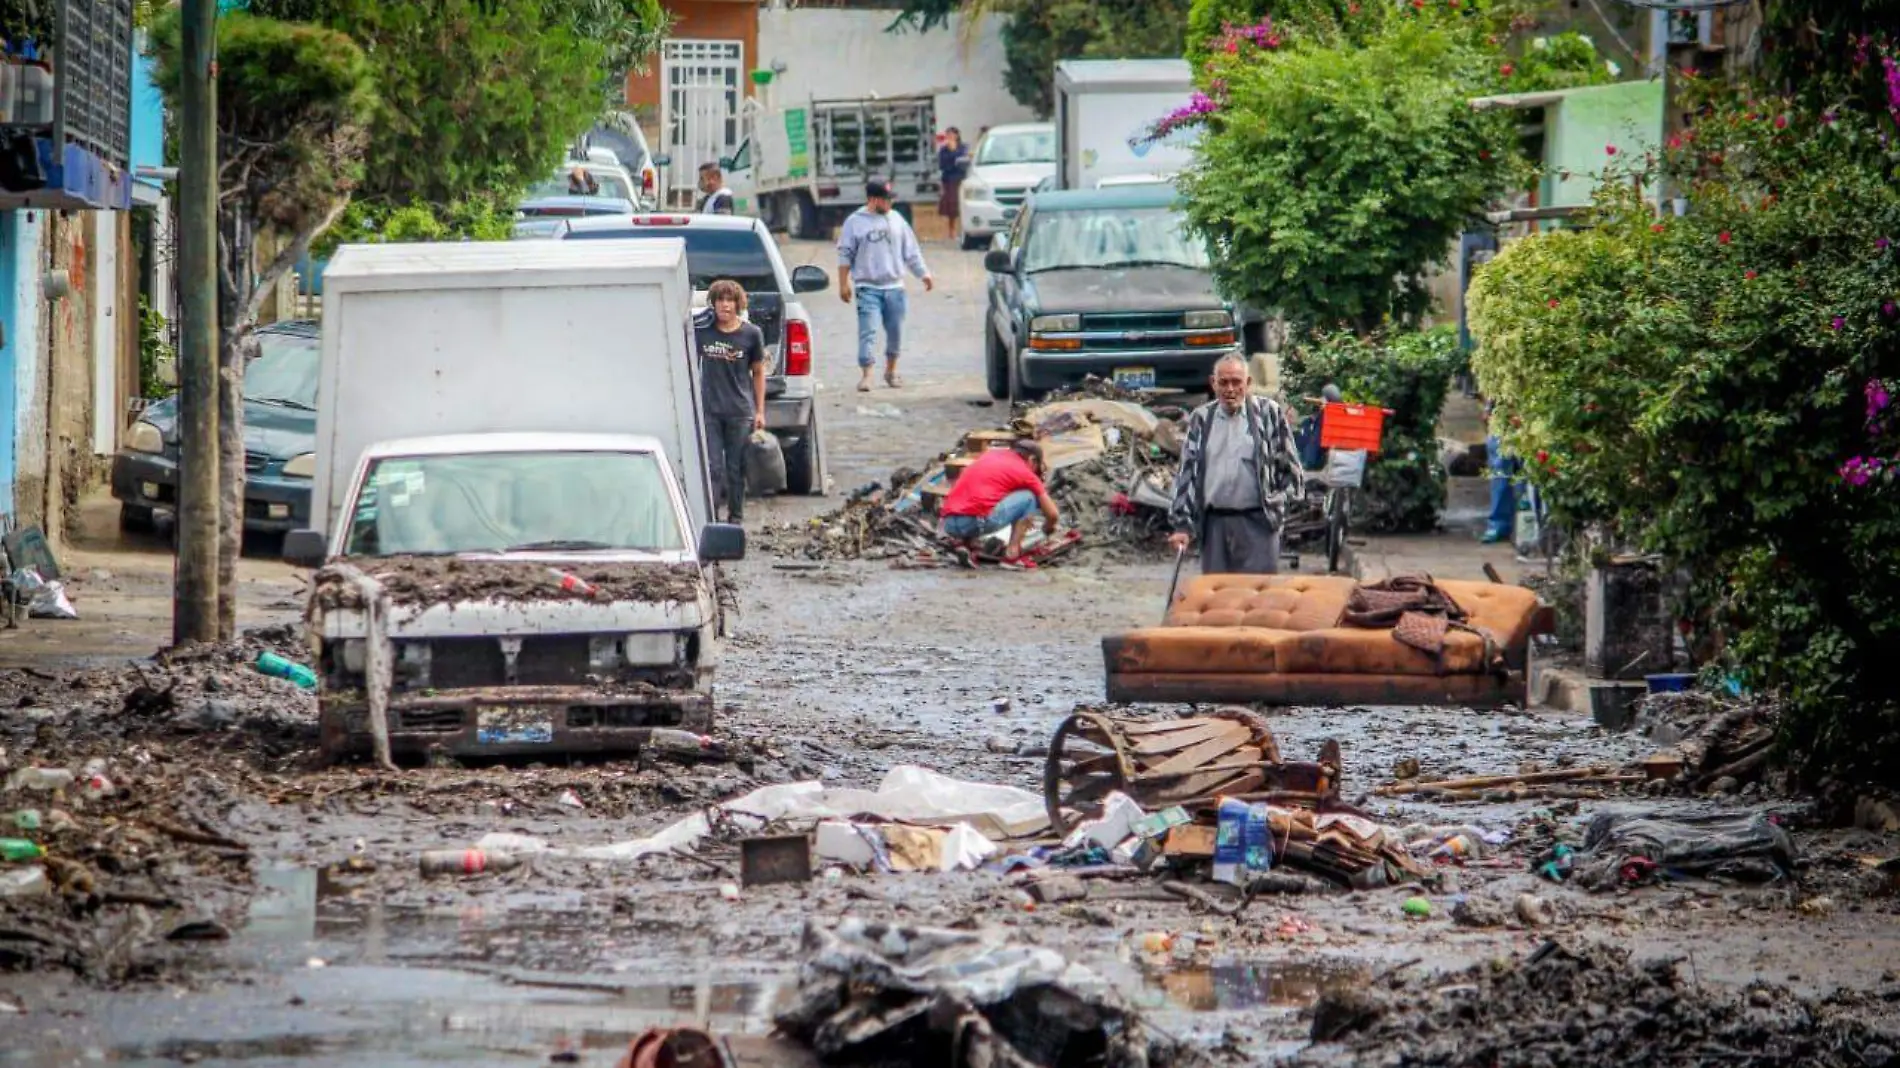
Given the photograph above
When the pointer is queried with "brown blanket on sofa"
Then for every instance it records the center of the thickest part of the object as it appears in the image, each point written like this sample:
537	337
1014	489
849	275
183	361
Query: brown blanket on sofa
1417	611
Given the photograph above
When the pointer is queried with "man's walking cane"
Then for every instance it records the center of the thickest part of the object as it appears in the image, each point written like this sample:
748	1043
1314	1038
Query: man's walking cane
1179	556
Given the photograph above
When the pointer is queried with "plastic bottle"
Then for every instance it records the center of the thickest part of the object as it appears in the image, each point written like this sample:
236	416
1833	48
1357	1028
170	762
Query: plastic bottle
672	740
18	849
23	882
278	667
26	819
466	861
574	583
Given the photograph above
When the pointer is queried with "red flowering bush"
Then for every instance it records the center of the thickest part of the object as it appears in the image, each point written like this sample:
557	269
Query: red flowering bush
1718	389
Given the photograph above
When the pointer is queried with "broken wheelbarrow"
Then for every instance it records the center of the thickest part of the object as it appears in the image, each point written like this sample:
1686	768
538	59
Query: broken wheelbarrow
1163	763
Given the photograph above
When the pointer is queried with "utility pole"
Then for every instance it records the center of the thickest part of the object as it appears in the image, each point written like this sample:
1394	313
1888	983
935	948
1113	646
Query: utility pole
195	580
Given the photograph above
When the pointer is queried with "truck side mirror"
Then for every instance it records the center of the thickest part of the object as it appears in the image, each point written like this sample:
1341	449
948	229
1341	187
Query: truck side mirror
809	279
721	541
998	261
305	548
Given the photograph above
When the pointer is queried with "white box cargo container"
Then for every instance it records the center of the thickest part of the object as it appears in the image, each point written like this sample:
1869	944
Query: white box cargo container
425	340
1104	110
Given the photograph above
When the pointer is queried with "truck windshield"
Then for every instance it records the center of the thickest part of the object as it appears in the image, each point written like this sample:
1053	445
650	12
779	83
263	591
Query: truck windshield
710	254
1030	146
493	502
1123	237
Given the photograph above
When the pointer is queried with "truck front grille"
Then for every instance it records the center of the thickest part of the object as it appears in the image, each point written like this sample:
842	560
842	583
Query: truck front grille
1133	321
1010	198
545	660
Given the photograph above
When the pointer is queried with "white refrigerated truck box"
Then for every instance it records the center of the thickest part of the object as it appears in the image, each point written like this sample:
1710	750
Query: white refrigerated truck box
1104	110
507	337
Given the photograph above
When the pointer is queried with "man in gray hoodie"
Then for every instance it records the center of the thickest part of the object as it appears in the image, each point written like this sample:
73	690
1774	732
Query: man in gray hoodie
875	246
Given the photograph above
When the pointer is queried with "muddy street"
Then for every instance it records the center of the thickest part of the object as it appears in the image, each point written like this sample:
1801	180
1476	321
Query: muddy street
323	945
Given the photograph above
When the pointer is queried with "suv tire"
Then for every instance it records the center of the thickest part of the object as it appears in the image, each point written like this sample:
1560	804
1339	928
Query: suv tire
804	461
995	365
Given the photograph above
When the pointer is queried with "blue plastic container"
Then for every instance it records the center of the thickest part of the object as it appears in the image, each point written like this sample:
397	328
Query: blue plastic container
1669	683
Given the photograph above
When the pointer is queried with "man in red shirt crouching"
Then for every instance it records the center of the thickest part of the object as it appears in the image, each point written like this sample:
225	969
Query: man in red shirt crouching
1003	488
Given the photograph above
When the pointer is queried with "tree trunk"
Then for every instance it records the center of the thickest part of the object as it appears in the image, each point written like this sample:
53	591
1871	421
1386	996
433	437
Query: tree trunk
242	291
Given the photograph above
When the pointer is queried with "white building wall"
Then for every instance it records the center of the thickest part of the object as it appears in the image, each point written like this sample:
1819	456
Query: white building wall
829	54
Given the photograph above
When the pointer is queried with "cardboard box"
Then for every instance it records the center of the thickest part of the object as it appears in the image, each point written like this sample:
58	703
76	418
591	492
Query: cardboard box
1191	841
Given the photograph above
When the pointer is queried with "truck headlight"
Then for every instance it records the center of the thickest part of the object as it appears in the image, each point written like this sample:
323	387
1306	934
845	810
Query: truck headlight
1208	320
354	653
658	648
144	437
304	466
1055	324
973	190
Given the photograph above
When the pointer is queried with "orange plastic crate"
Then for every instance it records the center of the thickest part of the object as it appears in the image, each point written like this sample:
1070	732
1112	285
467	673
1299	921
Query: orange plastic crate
1351	426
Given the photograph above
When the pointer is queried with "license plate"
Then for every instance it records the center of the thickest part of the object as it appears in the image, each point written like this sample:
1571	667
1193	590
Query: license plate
506	726
1135	377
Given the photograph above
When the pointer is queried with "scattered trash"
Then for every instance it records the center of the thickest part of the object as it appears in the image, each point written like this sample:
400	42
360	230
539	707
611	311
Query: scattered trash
1534	910
25	881
26	819
569	799
41	780
984	1001
1817	906
572	583
17	849
680	1047
728	892
199	931
1622	849
1243	842
784	858
467	861
1416	908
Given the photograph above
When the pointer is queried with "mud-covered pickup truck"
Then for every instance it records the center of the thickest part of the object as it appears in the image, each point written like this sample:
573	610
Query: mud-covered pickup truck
515	557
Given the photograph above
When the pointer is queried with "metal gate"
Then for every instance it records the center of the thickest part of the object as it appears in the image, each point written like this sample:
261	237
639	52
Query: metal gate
703	83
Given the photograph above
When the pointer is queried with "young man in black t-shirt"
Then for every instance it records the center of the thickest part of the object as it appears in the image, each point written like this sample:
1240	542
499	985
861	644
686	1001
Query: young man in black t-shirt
732	387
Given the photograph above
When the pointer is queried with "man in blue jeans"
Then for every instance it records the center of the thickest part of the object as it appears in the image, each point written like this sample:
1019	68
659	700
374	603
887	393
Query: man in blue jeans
1502	525
1003	488
875	246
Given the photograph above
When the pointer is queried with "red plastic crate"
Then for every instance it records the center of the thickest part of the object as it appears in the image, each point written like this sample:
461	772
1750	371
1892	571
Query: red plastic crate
1351	426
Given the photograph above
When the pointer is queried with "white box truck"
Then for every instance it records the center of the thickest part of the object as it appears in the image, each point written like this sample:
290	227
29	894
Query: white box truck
802	168
511	506
1104	111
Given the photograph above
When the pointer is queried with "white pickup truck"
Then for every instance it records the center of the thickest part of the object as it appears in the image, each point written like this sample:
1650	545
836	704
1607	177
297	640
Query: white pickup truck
511	502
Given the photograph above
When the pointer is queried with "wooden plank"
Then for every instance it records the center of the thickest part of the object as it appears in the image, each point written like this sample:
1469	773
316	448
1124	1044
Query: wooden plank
1176	740
1161	727
1194	756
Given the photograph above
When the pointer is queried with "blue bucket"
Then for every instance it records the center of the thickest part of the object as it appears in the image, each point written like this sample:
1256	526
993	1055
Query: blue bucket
1669	683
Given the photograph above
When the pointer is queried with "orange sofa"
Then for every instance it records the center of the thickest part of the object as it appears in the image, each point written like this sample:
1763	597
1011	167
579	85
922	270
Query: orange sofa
1276	639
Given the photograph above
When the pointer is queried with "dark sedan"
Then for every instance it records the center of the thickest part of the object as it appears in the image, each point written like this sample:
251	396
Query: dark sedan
280	434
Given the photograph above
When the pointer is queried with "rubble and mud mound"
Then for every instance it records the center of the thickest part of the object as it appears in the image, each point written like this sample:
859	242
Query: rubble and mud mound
1590	1004
1723	743
426	580
1111	452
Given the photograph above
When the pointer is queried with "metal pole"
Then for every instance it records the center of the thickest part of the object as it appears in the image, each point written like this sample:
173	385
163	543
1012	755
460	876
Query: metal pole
195	586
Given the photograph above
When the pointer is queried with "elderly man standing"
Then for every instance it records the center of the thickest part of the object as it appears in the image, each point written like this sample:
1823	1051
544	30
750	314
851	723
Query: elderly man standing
1240	466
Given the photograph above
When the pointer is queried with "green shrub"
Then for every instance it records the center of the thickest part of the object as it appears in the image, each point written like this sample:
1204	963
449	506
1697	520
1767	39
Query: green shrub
1409	373
153	351
1716	387
1333	176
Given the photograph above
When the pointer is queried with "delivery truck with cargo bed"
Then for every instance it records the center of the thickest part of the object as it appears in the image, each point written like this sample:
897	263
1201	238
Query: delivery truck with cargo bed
511	510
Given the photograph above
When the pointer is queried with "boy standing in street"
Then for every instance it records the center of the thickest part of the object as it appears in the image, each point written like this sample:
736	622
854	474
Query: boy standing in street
732	385
875	245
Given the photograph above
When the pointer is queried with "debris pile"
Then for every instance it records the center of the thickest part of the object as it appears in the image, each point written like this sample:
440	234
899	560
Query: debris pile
895	995
1715	743
1111	455
1591	1005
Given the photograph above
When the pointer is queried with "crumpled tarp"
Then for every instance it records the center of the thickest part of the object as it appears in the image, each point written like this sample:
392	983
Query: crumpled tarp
908	794
958	998
1622	848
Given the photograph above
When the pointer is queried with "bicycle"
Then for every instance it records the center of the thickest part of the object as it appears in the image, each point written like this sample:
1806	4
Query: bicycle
1351	434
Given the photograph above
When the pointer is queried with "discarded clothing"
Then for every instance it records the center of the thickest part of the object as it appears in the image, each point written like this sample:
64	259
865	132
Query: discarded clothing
1621	849
959	998
1417	611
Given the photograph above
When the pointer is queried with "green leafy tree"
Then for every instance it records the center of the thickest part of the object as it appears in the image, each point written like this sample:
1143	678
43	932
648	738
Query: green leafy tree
293	103
1718	387
1337	167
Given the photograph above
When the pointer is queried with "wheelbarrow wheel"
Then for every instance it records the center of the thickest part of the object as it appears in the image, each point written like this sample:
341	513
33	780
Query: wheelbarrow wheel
1085	765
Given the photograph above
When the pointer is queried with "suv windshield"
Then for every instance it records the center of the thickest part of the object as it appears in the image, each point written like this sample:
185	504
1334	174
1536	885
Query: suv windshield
285	371
492	502
710	254
1029	146
612	187
1120	237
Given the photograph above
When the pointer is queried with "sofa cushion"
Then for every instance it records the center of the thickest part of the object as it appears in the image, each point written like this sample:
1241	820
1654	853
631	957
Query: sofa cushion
1278	602
1194	650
